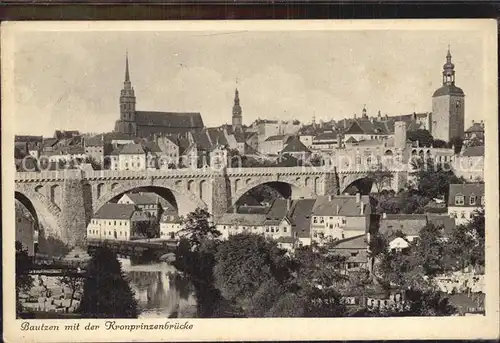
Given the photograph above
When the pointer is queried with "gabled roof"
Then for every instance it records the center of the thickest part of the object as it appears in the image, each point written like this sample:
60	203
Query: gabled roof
115	211
173	120
143	198
217	136
202	140
327	205
466	189
351	140
132	149
300	217
277	212
295	145
474	151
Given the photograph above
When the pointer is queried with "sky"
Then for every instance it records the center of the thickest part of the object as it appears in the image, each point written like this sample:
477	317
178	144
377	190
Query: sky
72	79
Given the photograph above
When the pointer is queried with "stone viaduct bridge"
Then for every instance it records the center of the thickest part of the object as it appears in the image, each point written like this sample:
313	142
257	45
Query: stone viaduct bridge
65	200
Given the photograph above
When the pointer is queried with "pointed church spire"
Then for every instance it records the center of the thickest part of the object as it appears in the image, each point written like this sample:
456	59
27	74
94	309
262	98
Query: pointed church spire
127	74
237	117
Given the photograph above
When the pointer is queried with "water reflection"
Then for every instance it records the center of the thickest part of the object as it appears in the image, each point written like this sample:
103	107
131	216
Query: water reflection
160	290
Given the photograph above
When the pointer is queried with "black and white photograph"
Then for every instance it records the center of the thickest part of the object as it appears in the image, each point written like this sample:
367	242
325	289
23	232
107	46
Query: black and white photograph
243	172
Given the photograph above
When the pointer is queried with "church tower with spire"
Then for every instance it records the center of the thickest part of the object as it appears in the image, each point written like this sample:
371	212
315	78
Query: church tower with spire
127	124
448	107
237	113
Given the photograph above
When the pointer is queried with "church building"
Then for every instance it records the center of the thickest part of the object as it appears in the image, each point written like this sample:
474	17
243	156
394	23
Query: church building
448	114
148	123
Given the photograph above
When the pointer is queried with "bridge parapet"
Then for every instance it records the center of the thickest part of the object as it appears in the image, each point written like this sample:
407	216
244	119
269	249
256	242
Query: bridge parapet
50	175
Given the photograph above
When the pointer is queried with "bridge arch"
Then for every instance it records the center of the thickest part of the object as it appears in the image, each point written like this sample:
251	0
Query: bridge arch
46	215
287	189
185	202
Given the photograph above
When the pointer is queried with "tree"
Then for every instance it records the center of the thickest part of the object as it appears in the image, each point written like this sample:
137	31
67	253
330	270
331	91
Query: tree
433	178
378	244
106	292
74	283
246	262
429	249
195	256
24	281
457	143
423	137
288	305
380	177
467	243
439	143
198	227
93	162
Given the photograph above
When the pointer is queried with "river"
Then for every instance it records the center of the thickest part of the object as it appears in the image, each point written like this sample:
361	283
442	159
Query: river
161	291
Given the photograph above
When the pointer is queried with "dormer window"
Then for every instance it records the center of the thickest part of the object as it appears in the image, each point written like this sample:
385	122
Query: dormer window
472	200
459	199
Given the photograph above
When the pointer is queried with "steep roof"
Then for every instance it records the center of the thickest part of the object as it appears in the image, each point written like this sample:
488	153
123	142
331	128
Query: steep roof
466	189
474	151
132	149
295	145
115	211
278	211
173	120
444	221
355	242
347	206
28	138
300	217
217	136
152	147
143	198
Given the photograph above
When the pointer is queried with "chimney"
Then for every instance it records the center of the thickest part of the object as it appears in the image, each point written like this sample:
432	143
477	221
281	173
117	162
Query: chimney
472	121
358	197
288	204
362	209
338	209
384	215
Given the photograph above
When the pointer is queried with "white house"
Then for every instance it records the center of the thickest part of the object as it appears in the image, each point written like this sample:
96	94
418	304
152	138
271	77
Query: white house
464	200
116	222
132	157
340	217
170	225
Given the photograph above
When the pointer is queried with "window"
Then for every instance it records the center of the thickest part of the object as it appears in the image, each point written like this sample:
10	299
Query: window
459	200
284	229
472	200
267	229
353	254
322	220
331	226
462	215
315	220
344	221
114	223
